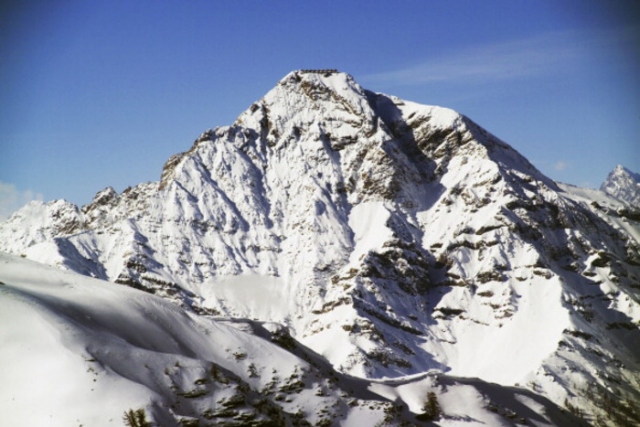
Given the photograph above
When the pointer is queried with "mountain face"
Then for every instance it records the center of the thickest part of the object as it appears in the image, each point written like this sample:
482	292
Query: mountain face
390	238
623	185
89	352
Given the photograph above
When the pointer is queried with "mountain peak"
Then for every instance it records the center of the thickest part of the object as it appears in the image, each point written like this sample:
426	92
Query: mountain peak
389	237
297	76
319	86
623	184
621	170
329	78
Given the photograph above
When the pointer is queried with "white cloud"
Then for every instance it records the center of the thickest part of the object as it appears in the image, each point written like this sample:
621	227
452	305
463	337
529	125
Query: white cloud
12	199
537	55
560	165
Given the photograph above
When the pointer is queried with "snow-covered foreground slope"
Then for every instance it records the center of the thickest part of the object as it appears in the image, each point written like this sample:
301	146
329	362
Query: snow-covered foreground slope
390	238
79	351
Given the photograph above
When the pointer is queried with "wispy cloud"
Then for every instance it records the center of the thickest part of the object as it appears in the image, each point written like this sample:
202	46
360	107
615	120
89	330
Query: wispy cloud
560	165
12	199
538	55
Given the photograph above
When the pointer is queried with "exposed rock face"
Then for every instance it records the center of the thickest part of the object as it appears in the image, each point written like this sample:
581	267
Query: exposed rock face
623	185
390	237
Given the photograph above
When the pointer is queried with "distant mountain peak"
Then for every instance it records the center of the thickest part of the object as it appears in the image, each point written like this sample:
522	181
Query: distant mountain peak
623	184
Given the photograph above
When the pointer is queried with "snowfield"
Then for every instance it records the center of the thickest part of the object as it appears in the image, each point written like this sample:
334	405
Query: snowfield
80	351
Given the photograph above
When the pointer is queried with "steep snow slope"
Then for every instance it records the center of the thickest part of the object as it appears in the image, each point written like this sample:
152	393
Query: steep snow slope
389	237
78	351
624	185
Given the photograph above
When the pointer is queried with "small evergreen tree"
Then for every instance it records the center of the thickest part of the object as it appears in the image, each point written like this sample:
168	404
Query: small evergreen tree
431	408
136	418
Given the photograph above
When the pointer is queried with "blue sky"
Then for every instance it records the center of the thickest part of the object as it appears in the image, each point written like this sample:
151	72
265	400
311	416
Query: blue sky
101	93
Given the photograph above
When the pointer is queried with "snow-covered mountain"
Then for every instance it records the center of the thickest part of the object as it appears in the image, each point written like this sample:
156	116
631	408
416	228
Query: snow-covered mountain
79	351
388	237
623	184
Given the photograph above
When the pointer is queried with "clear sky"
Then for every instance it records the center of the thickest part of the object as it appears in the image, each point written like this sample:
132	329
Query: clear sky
101	93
